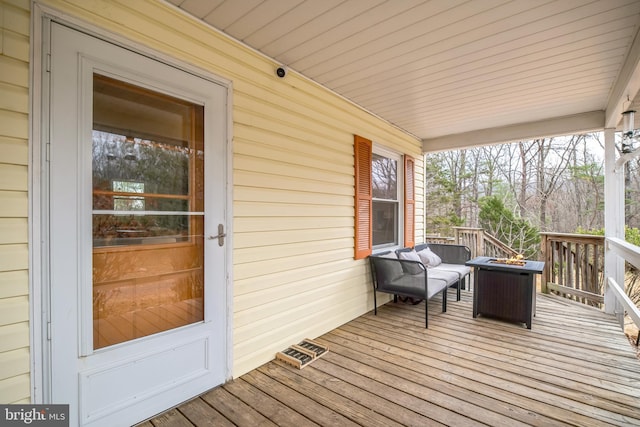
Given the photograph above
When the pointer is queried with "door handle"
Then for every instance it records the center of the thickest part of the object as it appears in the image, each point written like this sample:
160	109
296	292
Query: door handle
220	236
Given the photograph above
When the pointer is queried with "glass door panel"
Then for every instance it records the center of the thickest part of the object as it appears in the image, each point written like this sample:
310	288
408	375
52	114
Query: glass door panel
148	212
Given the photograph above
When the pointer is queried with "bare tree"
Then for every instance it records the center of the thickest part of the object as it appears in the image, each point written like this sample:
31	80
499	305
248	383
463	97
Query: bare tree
490	158
555	183
583	192
515	169
384	175
632	193
553	159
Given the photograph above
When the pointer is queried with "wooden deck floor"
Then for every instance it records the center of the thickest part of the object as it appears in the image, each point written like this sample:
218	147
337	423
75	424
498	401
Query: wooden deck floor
574	367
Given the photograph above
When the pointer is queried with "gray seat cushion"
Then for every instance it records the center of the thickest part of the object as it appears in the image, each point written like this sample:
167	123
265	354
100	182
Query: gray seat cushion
413	285
462	270
449	277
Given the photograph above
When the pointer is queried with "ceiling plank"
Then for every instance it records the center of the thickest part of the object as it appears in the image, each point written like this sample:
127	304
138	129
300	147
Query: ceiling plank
627	85
291	28
419	63
582	47
260	16
229	12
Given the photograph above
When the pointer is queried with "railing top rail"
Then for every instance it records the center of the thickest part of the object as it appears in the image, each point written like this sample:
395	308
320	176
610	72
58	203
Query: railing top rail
467	228
632	311
499	244
628	251
572	236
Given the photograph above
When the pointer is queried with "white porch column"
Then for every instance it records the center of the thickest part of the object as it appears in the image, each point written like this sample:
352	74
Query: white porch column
613	217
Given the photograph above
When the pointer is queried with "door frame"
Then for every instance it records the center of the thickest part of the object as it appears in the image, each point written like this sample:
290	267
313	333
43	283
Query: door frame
38	195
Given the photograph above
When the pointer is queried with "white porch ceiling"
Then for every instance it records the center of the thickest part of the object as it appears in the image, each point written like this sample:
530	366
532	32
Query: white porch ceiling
453	72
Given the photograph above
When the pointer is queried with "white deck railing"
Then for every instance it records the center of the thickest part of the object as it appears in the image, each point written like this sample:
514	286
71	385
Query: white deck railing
631	254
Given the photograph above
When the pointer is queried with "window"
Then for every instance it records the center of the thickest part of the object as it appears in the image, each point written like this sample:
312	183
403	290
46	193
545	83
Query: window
128	203
382	210
385	200
148	212
147	166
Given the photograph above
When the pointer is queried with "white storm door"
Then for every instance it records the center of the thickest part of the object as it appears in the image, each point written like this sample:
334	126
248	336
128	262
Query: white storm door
137	276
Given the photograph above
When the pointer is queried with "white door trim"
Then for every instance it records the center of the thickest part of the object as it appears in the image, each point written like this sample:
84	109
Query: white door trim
37	298
41	18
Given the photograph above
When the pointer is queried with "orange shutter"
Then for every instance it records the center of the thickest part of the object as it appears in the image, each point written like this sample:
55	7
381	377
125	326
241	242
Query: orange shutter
363	197
409	202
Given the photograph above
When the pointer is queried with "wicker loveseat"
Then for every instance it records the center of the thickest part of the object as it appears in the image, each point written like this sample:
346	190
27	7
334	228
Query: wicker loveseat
402	273
453	259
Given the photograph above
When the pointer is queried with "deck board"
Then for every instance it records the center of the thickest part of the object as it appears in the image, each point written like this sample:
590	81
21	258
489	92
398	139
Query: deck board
200	413
322	391
173	418
297	401
269	406
533	384
511	360
574	367
459	398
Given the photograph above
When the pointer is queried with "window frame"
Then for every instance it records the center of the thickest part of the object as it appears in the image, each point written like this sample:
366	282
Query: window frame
383	151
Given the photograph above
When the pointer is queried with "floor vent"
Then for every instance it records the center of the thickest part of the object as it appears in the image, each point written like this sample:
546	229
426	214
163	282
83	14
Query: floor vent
302	354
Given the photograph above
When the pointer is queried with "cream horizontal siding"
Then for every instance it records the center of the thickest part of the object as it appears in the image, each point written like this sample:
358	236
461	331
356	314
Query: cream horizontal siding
13	204
321	305
14	283
14	340
14	151
306	281
14	361
289	269
14	254
261	223
309	281
283	196
14	71
14	98
270	209
293	177
13	257
13	177
13	230
14	365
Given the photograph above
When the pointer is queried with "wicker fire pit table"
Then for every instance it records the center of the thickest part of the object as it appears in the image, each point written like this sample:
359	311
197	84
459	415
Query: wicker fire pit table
505	291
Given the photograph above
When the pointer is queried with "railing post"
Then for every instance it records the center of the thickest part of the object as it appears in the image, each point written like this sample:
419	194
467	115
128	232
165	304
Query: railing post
613	218
546	276
480	243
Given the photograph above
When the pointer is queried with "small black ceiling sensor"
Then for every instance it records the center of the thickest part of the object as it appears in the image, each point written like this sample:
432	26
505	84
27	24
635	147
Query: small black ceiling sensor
281	72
